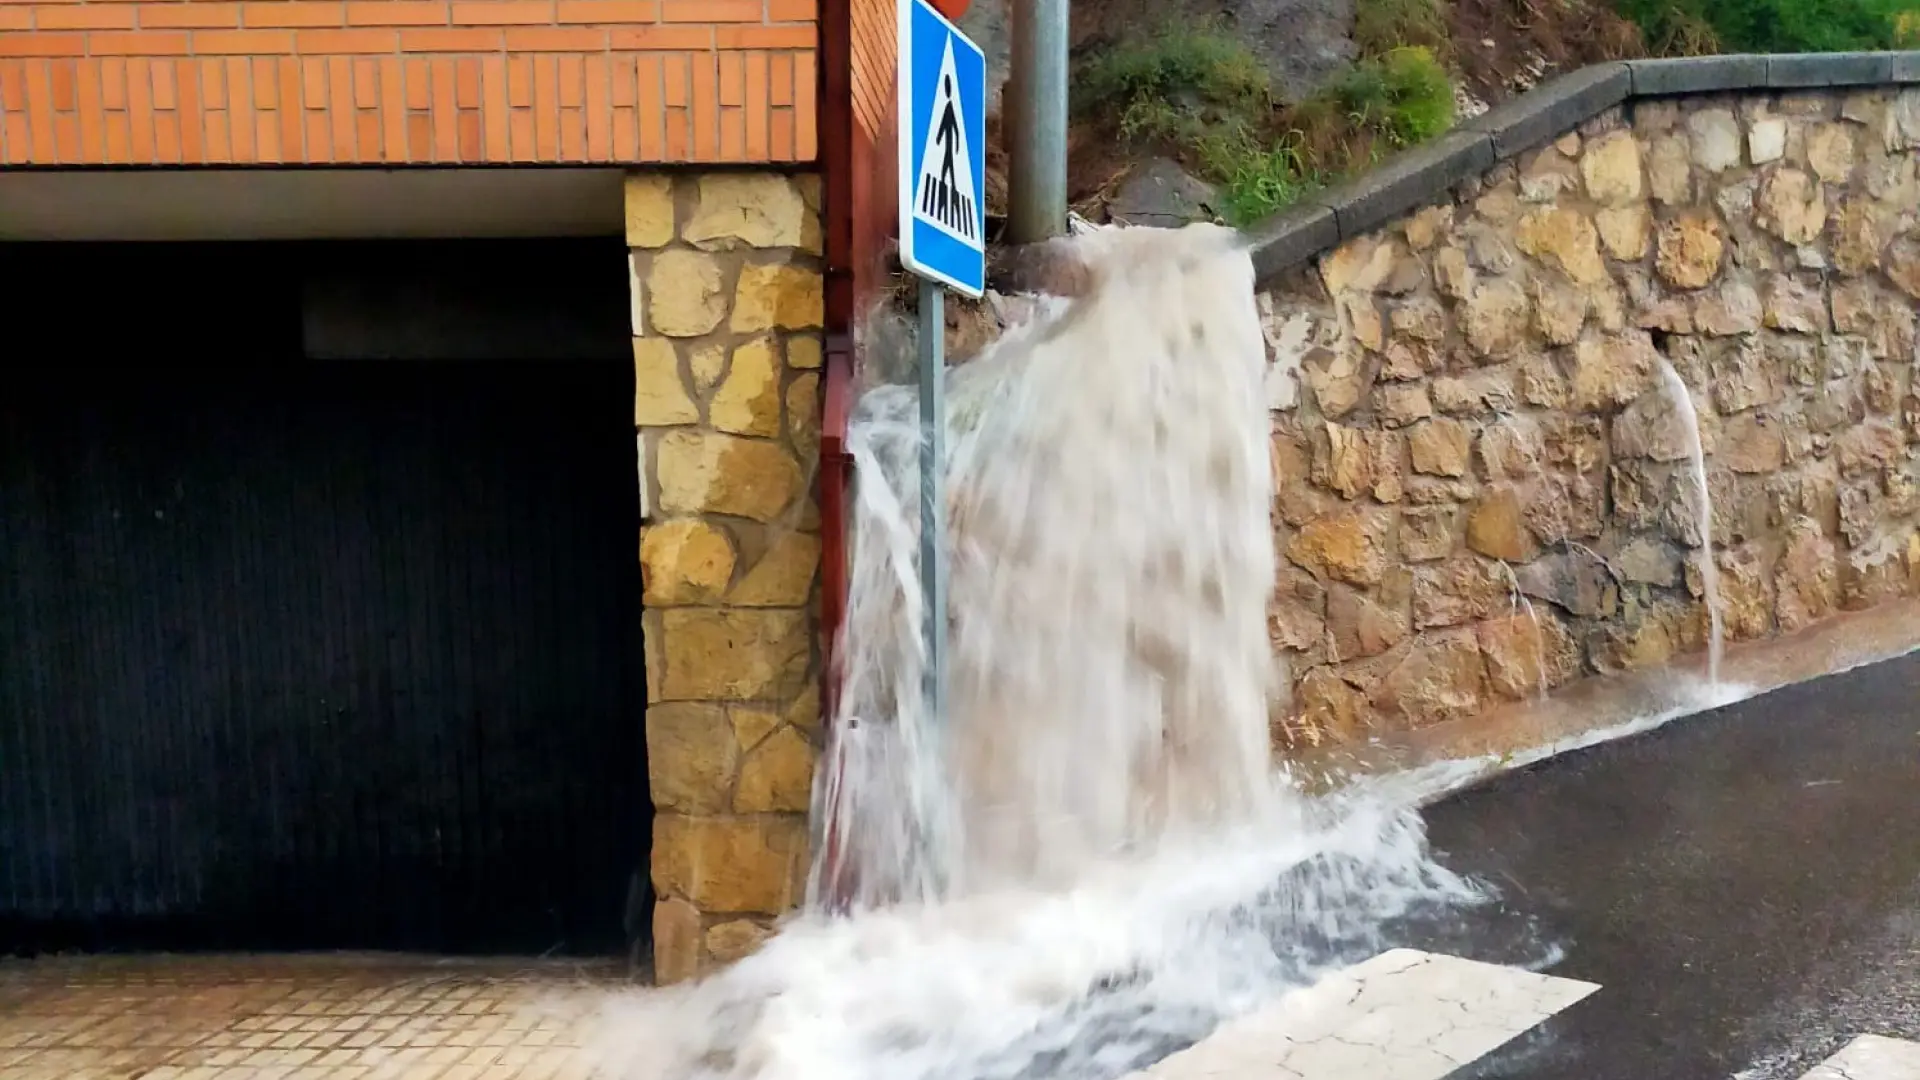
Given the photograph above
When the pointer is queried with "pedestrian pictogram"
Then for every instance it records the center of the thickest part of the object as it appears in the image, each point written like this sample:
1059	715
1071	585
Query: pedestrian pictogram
946	189
942	150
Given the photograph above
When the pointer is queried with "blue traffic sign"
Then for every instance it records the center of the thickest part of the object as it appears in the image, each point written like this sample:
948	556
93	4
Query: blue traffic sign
943	150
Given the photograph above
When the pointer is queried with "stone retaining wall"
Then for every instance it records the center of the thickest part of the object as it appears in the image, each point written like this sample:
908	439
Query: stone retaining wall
727	314
1483	489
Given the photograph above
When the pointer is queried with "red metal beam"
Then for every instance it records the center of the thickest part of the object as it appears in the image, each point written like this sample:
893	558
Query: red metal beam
836	127
837	165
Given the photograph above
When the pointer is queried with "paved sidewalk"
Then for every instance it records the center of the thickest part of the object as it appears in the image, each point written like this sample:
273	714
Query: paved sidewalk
292	1018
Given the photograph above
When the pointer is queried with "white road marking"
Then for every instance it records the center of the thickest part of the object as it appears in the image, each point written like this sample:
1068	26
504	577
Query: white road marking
1871	1057
1403	1015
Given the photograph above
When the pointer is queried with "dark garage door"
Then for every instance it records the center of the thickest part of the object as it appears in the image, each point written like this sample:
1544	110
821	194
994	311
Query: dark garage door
302	654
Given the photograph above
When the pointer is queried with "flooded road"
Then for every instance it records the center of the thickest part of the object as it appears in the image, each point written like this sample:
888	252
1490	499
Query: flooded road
1744	884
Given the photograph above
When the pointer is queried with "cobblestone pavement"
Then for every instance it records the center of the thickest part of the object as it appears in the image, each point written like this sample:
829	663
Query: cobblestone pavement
293	1018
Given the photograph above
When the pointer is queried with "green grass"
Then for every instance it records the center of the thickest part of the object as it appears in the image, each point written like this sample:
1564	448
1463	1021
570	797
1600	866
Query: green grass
1197	64
1404	95
1192	89
1385	104
1199	93
1259	181
1381	26
1684	27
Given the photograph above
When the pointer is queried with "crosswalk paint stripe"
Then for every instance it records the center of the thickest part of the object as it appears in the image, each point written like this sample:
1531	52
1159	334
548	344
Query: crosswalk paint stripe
1871	1057
1403	1015
952	209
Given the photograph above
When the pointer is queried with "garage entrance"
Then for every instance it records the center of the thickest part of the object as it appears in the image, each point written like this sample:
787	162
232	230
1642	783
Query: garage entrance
319	600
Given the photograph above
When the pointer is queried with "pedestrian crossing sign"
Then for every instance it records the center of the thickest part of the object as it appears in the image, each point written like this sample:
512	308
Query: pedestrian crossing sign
943	150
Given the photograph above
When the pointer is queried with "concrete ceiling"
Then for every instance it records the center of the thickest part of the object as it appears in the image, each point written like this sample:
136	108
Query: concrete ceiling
309	204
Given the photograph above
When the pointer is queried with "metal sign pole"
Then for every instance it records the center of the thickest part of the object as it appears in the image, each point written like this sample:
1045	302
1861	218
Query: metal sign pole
933	569
942	155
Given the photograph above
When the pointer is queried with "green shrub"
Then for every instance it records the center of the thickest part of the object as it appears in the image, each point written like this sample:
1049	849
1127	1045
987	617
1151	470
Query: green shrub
1398	100
1695	26
1202	94
1195	67
1198	92
1403	95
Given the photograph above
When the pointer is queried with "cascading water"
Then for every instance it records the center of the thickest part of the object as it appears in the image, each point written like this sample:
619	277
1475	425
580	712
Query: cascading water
1518	601
1090	861
1111	552
1689	417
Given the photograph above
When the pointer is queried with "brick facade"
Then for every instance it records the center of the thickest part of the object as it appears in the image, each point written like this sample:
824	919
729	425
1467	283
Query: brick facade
415	82
874	179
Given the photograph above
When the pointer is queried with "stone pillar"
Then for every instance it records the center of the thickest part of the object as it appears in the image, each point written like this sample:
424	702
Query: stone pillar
727	315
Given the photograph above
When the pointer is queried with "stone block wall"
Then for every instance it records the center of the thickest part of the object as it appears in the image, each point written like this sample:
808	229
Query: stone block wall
727	352
1483	489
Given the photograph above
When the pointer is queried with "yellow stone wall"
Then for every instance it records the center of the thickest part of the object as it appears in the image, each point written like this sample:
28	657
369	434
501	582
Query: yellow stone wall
727	315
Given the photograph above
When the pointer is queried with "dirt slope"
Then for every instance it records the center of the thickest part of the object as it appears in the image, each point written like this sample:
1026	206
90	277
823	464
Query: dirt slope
1492	49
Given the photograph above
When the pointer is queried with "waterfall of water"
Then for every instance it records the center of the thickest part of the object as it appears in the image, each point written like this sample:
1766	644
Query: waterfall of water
1091	859
1518	601
1676	389
1110	558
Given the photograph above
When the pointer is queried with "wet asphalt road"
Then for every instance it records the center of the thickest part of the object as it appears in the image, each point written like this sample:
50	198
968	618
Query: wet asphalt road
1744	885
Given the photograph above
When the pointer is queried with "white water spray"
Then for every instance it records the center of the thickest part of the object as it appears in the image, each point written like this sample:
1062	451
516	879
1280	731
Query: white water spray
1111	553
1517	602
1090	862
1676	389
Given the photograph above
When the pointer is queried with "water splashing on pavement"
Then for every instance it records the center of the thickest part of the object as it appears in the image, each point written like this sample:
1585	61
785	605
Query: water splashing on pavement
1092	860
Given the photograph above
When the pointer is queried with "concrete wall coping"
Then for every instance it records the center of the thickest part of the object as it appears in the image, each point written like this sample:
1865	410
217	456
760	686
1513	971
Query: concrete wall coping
1413	178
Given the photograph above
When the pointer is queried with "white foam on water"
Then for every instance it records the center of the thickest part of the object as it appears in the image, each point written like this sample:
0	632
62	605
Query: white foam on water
1091	860
1136	958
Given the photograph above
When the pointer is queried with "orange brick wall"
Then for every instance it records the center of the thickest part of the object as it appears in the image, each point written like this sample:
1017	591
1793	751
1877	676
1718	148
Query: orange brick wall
192	82
875	41
874	181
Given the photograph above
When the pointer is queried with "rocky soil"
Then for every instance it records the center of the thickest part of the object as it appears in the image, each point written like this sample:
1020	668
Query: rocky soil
1497	48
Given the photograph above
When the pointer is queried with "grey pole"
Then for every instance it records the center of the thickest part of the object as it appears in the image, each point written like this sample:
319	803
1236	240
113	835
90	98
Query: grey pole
933	570
1036	112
